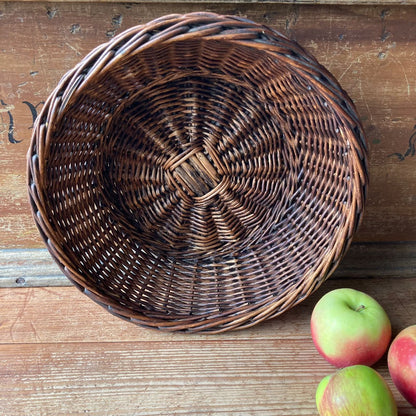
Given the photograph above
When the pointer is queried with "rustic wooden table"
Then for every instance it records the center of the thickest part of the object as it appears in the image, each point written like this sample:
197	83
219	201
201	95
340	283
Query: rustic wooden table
61	354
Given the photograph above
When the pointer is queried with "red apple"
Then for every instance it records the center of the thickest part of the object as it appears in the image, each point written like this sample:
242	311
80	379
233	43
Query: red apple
401	360
350	327
355	391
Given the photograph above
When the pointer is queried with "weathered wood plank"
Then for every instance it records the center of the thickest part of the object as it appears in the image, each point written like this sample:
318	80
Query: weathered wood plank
29	268
267	377
379	260
370	49
308	2
261	377
36	268
45	315
63	355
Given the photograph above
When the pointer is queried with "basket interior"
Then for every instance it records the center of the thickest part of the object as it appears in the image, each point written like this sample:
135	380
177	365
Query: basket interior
198	177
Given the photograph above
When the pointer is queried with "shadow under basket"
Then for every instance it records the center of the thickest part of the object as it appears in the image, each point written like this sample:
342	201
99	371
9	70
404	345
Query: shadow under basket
198	173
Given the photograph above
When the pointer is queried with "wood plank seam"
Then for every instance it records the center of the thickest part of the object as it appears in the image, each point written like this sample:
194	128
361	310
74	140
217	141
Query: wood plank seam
35	267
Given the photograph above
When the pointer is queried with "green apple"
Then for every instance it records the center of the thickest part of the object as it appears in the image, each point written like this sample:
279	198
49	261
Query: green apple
350	327
401	360
355	391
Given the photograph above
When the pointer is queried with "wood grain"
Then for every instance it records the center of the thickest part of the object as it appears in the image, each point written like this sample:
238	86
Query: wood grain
370	49
63	355
63	314
29	268
36	268
310	2
267	377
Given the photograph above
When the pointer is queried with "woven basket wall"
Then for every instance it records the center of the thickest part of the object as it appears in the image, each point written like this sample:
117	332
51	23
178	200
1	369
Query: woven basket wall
199	173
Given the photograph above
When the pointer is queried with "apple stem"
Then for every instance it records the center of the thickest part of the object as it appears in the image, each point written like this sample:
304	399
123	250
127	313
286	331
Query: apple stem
360	308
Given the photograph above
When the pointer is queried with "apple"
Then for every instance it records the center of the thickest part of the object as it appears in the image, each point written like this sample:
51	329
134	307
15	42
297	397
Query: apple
350	327
401	360
357	390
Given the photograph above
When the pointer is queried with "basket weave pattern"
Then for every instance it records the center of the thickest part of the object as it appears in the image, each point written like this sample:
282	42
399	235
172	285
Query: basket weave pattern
199	173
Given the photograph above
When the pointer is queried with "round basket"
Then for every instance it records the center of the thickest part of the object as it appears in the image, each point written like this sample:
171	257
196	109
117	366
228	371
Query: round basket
199	172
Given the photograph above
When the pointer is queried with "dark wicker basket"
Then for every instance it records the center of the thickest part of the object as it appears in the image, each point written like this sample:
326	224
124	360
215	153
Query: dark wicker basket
199	173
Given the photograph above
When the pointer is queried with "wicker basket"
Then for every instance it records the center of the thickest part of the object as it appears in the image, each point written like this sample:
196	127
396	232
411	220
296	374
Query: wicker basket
199	172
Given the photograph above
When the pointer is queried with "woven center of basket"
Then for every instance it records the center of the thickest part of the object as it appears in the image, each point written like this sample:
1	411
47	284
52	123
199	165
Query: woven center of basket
193	163
195	173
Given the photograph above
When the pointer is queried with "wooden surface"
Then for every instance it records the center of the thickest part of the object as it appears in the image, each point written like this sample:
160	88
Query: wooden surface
35	267
313	2
62	354
371	50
